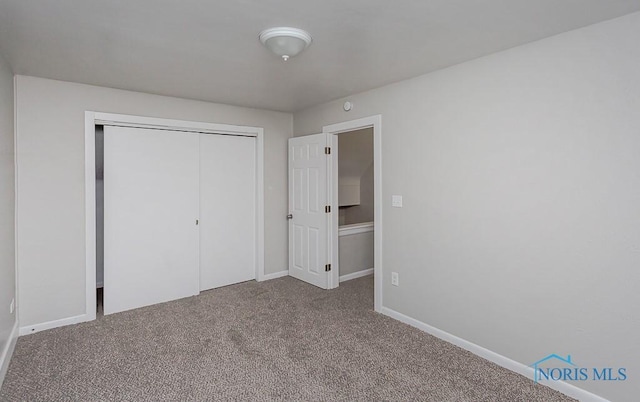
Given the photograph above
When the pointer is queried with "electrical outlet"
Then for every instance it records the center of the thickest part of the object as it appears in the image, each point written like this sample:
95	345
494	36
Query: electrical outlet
395	280
12	306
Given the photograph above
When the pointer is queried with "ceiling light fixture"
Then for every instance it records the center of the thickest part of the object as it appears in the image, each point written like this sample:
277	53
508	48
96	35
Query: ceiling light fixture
285	42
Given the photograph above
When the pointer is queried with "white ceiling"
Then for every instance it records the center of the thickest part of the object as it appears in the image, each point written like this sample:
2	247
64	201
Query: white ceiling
209	50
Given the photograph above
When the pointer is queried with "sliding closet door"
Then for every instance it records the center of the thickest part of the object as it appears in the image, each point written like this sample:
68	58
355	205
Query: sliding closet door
150	211
227	210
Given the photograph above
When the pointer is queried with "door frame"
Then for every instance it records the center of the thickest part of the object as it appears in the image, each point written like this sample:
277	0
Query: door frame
91	118
333	130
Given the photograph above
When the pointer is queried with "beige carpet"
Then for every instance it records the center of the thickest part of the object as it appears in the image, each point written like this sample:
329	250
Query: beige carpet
277	340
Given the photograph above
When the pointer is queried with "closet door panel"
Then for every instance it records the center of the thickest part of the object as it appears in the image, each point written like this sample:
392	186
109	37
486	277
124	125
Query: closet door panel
227	210
150	211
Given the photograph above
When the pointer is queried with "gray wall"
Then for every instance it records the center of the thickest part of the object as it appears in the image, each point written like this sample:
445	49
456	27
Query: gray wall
355	160
7	210
356	252
520	230
50	157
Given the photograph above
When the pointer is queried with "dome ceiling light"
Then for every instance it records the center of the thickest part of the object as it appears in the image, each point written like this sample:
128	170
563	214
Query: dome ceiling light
285	42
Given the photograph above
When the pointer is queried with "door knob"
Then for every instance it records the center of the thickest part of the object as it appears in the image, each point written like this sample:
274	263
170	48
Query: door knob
290	216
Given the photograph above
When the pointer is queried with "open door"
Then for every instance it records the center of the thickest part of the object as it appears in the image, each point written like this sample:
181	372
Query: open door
309	210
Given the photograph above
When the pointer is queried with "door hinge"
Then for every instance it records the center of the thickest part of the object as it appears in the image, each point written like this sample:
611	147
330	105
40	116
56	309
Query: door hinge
327	150
327	209
327	267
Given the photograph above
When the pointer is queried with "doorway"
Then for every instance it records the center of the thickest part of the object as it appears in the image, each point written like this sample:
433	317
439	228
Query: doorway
334	131
314	205
175	213
196	140
355	204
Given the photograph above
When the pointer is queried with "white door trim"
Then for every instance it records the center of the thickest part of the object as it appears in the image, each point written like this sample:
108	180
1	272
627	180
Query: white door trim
376	123
93	118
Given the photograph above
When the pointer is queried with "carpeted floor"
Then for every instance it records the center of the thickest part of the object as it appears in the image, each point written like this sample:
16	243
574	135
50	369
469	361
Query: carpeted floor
276	340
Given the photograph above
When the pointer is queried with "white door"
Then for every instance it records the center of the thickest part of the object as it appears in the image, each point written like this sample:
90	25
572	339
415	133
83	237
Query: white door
227	210
150	211
308	197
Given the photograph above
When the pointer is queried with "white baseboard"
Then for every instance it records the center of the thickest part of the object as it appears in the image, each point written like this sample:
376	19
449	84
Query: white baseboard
359	274
5	356
500	360
274	275
32	329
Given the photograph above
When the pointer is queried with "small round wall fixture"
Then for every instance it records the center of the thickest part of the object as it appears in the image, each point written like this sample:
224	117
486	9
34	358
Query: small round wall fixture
284	41
347	106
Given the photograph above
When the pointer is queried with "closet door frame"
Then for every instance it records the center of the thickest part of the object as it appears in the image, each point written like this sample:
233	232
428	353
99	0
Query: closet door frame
93	118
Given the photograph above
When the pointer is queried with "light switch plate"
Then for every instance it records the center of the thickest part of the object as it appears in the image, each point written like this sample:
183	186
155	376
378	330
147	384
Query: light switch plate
396	201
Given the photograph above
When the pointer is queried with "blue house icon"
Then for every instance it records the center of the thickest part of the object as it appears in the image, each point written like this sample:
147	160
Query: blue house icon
535	365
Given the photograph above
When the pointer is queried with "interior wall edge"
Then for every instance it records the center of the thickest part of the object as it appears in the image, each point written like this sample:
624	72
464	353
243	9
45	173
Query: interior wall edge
5	357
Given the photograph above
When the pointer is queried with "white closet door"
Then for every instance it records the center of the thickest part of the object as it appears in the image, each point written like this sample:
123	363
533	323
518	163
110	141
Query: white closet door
150	211
227	210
